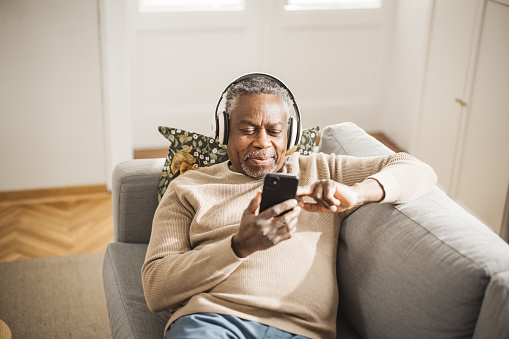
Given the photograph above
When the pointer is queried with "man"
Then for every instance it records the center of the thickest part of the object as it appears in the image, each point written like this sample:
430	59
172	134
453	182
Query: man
225	270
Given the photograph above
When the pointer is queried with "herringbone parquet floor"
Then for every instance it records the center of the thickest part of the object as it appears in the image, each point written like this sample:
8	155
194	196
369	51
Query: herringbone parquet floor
55	226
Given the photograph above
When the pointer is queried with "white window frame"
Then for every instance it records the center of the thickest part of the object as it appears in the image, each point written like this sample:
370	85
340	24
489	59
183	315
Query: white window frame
151	6
306	5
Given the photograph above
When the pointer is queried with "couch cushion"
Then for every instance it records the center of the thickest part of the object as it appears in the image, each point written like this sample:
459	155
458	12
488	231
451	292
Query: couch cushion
127	309
495	309
415	270
344	329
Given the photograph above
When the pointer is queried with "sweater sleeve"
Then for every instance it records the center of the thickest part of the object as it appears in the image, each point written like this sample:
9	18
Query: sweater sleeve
173	271
402	176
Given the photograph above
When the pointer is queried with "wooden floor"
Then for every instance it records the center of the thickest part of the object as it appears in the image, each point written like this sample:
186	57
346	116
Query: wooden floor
59	222
54	223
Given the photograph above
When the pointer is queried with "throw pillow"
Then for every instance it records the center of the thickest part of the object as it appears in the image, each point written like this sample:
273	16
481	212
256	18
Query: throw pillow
307	142
189	151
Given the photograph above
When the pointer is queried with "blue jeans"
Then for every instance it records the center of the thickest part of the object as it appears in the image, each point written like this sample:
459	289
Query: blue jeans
212	325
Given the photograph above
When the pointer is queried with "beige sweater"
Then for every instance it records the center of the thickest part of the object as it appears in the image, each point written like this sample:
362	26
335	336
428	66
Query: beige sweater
190	266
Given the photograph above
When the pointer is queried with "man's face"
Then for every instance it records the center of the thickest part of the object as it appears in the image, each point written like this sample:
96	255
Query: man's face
258	135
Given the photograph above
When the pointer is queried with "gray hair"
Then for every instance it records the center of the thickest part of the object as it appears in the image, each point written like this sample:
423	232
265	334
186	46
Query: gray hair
256	85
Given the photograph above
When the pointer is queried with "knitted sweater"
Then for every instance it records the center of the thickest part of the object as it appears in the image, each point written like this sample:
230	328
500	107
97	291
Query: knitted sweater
190	266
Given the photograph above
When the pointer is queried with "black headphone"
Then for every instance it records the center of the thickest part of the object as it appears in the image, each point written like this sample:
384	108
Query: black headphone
223	120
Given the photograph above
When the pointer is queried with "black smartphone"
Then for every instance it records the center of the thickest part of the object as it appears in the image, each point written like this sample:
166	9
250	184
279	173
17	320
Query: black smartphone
277	188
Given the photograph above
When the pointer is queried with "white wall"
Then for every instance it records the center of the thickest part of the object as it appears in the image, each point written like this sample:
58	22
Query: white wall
51	130
332	60
403	78
169	69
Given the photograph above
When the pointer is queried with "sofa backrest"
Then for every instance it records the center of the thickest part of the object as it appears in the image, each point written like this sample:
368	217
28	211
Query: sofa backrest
420	269
134	199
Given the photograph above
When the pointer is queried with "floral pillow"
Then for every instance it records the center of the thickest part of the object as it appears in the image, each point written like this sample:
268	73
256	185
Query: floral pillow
307	142
190	151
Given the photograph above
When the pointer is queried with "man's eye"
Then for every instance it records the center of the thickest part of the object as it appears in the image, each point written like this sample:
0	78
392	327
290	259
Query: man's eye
275	132
248	131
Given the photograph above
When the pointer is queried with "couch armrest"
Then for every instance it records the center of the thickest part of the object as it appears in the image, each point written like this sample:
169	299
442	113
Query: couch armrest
422	269
134	199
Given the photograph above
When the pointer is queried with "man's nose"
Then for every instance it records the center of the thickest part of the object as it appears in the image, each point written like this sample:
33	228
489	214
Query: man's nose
262	140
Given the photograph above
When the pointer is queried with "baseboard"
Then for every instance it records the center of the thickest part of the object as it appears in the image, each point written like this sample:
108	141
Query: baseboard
52	192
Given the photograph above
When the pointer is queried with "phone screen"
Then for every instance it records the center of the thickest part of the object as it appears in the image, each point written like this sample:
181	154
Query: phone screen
277	188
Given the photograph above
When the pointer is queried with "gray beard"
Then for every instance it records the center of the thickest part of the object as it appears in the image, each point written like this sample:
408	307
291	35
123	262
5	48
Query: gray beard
264	170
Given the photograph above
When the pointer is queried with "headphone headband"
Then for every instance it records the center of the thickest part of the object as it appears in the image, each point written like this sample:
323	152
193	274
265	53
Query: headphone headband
280	83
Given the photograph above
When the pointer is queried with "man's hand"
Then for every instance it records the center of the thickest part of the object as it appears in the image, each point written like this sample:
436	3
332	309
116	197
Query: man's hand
261	231
331	196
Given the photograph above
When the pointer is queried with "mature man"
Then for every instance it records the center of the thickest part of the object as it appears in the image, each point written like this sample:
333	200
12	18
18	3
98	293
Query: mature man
225	270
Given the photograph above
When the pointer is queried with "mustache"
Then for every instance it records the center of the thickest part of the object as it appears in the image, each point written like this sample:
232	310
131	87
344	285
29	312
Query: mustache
261	153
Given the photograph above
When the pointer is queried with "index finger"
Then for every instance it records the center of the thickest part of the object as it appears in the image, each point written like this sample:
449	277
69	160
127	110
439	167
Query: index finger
304	190
280	208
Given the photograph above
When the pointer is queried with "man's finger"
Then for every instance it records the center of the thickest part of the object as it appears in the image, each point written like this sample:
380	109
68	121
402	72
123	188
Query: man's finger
318	194
286	231
304	190
314	207
291	216
328	195
279	208
254	203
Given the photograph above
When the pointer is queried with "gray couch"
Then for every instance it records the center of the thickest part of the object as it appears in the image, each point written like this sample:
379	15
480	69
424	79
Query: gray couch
424	269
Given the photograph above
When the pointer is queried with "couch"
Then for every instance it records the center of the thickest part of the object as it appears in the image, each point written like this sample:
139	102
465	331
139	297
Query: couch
423	269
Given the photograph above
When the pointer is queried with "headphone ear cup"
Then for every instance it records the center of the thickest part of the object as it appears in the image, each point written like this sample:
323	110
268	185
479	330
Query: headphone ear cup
222	128
292	133
226	128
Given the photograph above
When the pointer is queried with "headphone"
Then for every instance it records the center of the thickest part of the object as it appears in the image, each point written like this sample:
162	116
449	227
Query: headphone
222	126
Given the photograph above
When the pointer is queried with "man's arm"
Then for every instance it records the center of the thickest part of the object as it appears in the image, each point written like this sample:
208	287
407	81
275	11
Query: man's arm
355	181
331	196
173	271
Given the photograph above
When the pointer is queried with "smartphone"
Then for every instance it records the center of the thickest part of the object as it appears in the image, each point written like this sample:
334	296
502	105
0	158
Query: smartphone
277	188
